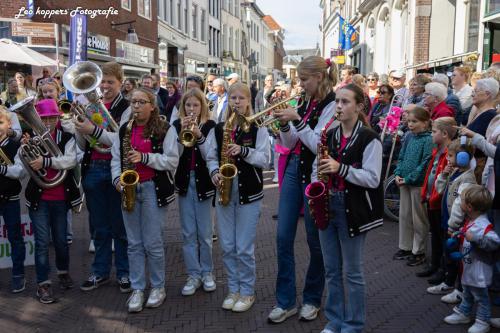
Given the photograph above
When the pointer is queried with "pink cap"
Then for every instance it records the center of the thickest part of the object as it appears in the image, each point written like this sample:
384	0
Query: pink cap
47	108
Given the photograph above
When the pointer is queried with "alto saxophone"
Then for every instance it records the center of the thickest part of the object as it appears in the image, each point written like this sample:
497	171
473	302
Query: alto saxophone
129	177
317	192
227	168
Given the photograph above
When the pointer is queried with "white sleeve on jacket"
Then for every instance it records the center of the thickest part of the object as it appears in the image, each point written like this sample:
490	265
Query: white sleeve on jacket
14	171
116	166
290	134
175	115
212	152
487	148
457	215
169	159
487	241
15	125
66	161
258	156
204	144
371	167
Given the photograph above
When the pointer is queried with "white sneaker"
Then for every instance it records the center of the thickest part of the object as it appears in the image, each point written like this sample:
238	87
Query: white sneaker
91	246
275	179
454	297
495	322
279	315
136	301
156	297
440	289
230	301
308	312
326	330
479	326
244	303
191	285
457	318
208	283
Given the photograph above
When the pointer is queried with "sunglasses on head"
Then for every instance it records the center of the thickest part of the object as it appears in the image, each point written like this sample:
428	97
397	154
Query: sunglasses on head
194	78
371	79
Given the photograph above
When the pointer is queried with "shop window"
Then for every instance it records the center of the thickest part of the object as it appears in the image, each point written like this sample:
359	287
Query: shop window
144	8
127	4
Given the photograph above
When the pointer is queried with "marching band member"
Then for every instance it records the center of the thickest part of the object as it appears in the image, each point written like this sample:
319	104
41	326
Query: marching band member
148	145
48	206
196	190
192	81
317	77
237	220
11	172
103	203
354	165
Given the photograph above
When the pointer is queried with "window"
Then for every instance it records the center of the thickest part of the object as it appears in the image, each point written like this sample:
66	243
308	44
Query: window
171	13
144	8
237	8
179	15
230	7
195	21
473	26
224	34
186	20
126	4
257	35
203	25
162	9
237	45
230	39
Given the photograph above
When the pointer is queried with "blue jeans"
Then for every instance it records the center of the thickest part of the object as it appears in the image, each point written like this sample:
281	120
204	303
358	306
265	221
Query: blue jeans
145	238
104	205
11	212
292	197
196	231
237	226
50	217
480	295
343	256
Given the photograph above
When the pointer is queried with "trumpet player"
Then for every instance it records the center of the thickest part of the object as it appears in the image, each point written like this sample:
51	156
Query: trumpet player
196	191
48	206
103	202
237	220
11	171
148	144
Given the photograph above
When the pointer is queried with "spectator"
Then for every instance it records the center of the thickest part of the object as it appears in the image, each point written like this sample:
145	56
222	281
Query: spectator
21	85
451	100
474	77
220	106
461	87
211	95
381	108
62	94
232	78
128	86
373	87
359	80
296	88
173	97
11	95
397	80
194	81
345	76
254	91
417	89
263	96
45	74
147	82
161	92
434	100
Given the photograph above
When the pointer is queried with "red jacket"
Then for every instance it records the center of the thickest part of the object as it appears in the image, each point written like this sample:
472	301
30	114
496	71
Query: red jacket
442	110
435	197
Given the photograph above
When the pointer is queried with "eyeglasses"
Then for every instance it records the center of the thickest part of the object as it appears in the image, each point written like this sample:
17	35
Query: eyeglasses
426	94
210	82
141	102
395	78
384	92
372	79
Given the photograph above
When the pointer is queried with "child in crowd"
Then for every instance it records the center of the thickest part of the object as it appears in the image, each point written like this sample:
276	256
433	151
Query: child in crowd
11	170
410	173
454	179
48	206
443	132
479	240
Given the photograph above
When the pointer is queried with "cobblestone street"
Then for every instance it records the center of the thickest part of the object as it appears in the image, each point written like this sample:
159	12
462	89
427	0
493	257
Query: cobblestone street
397	301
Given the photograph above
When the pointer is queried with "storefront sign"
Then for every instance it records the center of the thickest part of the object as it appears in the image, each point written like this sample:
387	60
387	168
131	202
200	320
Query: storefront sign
97	44
33	29
132	52
29	242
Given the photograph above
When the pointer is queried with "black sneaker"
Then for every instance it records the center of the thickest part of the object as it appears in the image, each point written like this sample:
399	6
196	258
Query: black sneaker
275	216
437	278
44	293
125	286
402	255
18	284
427	272
93	282
65	281
416	259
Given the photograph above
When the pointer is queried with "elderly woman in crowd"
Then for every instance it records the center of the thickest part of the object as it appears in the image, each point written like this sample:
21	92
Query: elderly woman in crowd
417	89
451	99
434	100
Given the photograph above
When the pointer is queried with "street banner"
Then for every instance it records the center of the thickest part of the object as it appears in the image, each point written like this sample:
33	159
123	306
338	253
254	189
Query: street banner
77	42
29	241
347	34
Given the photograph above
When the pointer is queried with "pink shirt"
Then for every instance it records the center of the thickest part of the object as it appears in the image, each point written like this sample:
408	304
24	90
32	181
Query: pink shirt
310	107
99	156
55	193
339	182
142	145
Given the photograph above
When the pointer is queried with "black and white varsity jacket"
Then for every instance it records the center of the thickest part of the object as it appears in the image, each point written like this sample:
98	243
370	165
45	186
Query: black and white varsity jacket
204	187
67	144
308	132
253	158
361	168
164	160
10	186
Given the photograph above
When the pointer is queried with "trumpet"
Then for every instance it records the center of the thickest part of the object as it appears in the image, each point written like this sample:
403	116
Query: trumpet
266	118
187	137
65	107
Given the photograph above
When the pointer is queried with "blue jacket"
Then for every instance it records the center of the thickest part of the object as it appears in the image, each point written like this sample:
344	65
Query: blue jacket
414	158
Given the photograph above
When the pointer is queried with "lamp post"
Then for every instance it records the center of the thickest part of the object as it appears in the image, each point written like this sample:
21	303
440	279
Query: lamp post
131	34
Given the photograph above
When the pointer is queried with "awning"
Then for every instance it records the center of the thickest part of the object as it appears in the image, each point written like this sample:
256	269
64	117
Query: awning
134	69
438	61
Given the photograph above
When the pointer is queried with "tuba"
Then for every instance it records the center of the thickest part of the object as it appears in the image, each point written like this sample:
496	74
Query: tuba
265	118
317	192
41	144
83	78
227	168
129	177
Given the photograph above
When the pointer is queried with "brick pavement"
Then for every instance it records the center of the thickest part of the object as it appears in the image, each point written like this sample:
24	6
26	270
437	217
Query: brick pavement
397	301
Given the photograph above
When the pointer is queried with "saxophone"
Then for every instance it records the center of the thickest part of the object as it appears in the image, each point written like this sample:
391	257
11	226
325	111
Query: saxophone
129	177
317	192
226	166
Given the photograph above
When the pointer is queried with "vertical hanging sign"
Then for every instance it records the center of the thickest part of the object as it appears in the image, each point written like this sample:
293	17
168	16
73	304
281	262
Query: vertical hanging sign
78	39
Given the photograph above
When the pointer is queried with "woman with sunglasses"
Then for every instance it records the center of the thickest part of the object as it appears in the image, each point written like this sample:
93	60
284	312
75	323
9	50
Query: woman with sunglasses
372	81
417	89
381	108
